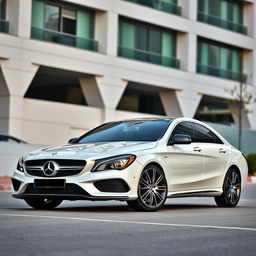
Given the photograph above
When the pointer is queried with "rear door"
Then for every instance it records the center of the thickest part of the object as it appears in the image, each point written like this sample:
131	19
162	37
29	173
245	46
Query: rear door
185	162
216	156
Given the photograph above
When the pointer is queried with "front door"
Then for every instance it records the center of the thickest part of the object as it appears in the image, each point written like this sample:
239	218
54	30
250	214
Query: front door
185	162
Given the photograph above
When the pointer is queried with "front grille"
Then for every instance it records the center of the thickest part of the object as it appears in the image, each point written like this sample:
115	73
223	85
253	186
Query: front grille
70	189
66	167
113	185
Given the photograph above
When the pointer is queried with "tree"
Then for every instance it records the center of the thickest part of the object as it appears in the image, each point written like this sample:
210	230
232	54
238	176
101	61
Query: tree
241	99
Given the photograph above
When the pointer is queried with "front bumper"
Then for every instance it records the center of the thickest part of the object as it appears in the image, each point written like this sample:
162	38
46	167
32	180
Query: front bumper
83	186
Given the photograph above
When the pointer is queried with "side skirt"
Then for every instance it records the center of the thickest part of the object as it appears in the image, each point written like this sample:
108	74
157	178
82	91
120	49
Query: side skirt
206	193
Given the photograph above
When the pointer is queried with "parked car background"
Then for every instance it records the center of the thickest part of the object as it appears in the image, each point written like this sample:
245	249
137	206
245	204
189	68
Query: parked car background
11	148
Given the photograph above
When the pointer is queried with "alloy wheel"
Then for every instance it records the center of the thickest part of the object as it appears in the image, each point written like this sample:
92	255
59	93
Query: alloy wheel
233	187
152	187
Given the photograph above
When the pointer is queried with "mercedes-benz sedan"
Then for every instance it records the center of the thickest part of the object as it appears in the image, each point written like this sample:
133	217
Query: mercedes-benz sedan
141	161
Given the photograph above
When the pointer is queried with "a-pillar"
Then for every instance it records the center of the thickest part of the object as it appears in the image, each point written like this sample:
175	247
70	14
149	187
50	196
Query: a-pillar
15	78
104	93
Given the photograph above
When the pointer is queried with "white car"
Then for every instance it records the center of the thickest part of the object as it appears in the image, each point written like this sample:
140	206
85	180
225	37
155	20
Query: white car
141	161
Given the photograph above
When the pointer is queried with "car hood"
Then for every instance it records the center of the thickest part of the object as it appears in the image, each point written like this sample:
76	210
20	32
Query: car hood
91	150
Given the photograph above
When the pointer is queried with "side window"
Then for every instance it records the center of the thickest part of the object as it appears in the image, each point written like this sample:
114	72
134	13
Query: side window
203	134
184	128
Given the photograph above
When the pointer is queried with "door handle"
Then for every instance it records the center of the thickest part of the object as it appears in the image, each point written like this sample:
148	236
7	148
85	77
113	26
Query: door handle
197	149
222	150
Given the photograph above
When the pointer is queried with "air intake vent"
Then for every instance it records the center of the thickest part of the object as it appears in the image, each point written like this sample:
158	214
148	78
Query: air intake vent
114	185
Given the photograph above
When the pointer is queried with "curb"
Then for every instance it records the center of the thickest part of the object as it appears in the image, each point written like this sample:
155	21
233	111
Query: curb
5	184
251	179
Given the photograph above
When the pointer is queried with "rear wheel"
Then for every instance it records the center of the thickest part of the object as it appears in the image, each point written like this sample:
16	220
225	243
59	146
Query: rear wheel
231	190
152	190
43	204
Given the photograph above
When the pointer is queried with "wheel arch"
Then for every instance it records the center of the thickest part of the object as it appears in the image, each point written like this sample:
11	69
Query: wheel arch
158	165
236	168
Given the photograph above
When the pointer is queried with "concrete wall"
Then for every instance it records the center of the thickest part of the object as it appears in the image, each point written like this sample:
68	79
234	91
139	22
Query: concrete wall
49	122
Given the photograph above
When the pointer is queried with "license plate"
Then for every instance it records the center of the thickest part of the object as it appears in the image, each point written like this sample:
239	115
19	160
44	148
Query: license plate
49	183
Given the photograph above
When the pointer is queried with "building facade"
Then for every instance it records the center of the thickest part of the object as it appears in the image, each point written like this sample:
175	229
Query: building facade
67	66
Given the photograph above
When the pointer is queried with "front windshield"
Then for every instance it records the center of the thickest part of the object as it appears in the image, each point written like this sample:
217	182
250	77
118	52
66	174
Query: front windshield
135	130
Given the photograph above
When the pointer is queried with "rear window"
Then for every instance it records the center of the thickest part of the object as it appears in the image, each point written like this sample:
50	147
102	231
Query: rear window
203	134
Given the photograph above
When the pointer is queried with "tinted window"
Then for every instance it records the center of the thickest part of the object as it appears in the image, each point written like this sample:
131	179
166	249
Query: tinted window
205	135
139	130
52	17
184	128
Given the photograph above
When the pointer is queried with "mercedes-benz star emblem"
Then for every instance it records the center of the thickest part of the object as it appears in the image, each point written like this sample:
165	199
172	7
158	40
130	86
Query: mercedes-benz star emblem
50	168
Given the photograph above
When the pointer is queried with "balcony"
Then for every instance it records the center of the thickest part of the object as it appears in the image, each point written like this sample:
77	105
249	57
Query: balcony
63	38
146	56
223	73
4	26
217	21
159	5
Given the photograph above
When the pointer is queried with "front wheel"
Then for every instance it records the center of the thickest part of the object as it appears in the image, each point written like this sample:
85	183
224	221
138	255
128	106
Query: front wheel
152	190
231	190
43	204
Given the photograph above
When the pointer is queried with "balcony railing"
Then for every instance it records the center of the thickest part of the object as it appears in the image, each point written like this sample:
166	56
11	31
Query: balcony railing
159	5
223	73
4	26
146	56
217	21
63	38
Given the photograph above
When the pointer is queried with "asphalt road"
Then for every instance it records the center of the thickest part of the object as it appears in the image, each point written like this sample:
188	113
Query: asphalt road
191	226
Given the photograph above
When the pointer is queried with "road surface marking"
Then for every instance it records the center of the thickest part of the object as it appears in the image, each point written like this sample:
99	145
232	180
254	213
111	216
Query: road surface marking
131	222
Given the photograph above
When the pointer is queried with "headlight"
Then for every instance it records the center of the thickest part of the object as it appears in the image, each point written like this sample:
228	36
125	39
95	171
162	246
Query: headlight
20	165
113	163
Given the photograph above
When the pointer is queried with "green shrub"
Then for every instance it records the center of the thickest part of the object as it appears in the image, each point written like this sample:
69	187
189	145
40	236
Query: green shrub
251	161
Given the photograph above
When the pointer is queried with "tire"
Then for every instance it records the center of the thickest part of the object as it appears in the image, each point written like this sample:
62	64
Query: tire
152	190
43	204
231	190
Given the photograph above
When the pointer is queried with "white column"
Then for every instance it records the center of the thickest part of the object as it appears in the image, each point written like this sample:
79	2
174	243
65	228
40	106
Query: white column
91	91
18	13
187	51
189	8
106	32
188	102
16	76
249	17
170	103
103	92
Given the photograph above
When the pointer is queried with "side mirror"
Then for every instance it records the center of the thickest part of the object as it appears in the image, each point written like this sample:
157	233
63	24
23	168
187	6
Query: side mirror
72	141
180	139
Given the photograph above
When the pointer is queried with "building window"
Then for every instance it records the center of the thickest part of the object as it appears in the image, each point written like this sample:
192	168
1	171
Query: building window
4	25
213	109
63	24
169	6
223	13
148	43
56	85
220	60
142	101
52	17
